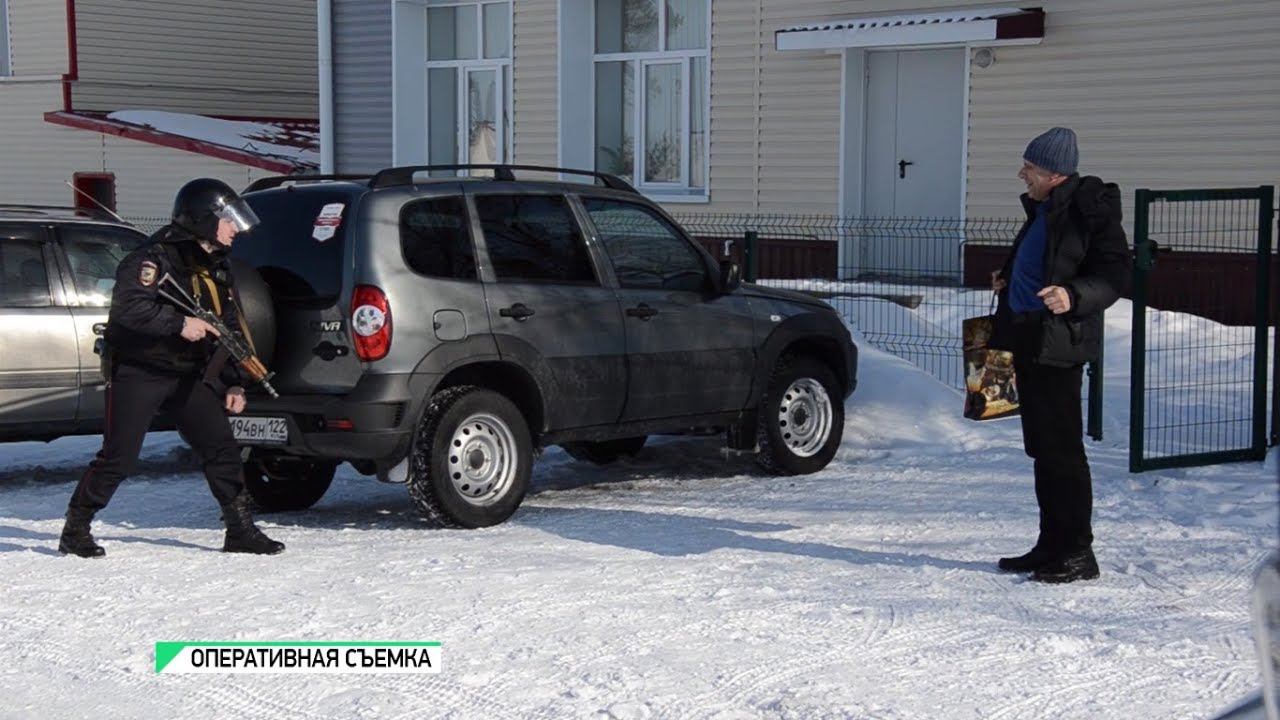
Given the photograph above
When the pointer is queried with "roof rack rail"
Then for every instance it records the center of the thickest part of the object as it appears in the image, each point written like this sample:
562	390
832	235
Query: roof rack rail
89	211
395	176
276	181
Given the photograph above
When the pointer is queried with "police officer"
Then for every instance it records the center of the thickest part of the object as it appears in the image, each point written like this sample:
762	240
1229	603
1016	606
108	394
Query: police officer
163	359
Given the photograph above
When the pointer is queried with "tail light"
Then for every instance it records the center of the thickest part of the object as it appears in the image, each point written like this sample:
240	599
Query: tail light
371	322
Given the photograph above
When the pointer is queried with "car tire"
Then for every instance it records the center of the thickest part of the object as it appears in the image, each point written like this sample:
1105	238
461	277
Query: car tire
283	483
801	419
471	460
605	451
259	310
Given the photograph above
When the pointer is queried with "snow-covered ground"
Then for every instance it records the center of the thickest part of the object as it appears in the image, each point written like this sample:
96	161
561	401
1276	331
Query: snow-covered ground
677	584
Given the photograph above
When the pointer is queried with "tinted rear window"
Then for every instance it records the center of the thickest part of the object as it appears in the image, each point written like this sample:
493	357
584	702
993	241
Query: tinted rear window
298	245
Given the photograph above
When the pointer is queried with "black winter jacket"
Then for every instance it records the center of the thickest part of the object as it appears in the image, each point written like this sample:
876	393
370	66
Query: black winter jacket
144	329
1087	253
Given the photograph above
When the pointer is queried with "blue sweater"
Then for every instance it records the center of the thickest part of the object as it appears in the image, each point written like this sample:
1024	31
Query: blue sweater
1028	266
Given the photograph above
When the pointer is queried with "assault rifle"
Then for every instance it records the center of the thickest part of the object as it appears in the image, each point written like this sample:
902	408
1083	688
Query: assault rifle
230	341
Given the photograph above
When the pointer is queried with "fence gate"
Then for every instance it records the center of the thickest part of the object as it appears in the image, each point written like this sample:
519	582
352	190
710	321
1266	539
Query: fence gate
1202	302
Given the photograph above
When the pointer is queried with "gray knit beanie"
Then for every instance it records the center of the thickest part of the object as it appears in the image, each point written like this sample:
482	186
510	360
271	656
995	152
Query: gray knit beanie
1055	151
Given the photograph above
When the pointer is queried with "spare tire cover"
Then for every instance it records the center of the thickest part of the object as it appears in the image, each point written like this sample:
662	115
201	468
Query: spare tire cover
259	311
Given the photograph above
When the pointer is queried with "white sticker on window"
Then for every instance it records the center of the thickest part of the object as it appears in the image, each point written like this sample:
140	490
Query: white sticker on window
327	221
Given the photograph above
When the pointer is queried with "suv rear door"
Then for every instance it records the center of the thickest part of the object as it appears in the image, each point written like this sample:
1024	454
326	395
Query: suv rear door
301	251
39	357
691	350
90	254
548	307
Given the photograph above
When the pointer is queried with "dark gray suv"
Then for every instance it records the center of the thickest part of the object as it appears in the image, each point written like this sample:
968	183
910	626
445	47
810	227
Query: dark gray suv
438	331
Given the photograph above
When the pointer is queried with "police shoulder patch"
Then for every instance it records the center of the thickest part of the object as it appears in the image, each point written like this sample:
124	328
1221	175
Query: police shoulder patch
147	275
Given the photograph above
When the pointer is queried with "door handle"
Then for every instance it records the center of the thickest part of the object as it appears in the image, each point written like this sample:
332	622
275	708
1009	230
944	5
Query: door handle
99	328
642	311
902	168
519	312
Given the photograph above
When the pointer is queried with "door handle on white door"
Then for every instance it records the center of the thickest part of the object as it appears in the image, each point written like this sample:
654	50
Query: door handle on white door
902	168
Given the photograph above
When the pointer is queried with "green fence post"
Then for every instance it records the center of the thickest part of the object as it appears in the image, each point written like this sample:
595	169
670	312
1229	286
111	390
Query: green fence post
1138	361
750	239
1266	217
1095	371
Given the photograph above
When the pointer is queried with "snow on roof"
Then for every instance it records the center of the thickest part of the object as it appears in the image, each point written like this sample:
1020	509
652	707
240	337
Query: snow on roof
296	143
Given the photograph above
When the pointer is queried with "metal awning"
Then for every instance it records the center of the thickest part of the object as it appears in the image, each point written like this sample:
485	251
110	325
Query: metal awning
992	26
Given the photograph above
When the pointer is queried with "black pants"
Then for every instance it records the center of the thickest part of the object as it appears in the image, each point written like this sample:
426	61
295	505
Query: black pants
1053	435
134	397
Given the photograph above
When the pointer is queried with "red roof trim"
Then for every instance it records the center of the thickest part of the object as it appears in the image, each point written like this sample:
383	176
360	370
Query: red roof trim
178	142
1027	24
73	57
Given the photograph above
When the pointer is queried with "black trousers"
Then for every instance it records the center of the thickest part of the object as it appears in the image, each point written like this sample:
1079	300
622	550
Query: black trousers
1053	435
134	397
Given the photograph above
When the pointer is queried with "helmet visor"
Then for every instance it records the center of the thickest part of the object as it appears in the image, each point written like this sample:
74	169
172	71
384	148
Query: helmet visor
238	213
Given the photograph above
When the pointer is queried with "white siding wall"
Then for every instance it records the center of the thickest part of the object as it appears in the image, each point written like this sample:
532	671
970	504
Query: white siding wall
233	57
1163	93
38	33
362	85
534	89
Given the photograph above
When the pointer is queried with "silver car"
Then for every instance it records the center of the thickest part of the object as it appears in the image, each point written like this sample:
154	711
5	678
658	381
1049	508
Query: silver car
57	268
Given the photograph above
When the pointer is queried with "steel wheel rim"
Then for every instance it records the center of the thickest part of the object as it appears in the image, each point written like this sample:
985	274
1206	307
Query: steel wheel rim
805	417
482	459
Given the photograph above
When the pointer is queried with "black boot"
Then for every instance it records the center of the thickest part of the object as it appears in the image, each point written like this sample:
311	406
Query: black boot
1030	562
76	539
242	535
1080	565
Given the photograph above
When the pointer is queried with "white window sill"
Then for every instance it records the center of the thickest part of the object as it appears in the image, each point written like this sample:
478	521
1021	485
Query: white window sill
670	198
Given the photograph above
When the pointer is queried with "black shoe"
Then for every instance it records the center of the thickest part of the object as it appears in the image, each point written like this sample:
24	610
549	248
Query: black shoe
1030	562
1080	565
76	539
243	536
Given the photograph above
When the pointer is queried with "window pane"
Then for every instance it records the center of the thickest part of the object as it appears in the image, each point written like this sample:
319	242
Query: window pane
497	30
645	250
686	24
697	122
615	110
533	238
452	33
482	123
435	240
23	280
442	116
285	249
626	26
94	254
662	123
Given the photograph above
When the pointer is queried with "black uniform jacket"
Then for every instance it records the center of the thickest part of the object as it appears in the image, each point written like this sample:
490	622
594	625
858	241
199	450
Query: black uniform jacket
144	328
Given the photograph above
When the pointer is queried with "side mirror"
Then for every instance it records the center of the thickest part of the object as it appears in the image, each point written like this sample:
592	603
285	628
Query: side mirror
730	276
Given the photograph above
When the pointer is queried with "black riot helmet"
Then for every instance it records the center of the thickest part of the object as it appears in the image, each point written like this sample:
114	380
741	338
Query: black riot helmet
201	203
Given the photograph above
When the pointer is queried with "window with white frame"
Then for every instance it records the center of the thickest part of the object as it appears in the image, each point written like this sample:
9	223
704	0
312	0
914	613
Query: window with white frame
6	63
468	82
651	64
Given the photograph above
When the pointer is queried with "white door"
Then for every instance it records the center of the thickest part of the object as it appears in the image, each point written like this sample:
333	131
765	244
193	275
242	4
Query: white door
914	158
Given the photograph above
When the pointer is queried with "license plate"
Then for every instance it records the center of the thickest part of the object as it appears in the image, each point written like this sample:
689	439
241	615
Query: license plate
260	430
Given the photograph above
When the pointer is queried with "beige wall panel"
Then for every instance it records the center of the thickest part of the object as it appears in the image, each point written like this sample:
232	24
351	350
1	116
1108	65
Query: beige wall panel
147	176
233	57
38	37
38	157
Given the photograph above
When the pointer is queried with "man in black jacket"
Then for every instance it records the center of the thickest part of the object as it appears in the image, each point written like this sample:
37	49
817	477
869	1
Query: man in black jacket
162	359
1070	262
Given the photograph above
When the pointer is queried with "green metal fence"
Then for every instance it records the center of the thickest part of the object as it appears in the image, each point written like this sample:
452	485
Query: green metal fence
904	283
1203	300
